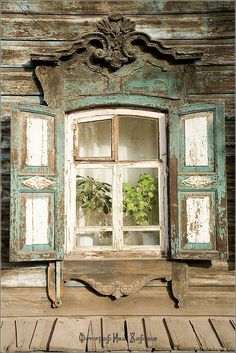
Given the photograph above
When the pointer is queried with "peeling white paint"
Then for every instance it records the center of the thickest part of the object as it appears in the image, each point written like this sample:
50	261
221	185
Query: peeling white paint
37	144
196	145
198	219
37	220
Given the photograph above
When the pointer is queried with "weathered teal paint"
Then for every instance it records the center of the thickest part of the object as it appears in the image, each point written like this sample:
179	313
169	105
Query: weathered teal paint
121	100
19	251
217	189
210	145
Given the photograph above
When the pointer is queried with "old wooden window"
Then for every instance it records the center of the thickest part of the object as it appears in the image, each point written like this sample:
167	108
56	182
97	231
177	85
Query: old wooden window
53	154
117	190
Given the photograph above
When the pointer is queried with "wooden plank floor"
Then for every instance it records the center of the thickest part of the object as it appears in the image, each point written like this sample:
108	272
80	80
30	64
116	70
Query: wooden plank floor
108	334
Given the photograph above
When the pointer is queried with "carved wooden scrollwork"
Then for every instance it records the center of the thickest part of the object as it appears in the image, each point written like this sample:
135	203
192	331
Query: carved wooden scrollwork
116	287
114	44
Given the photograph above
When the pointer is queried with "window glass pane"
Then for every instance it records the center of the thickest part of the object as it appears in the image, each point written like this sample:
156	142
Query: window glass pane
138	139
140	196
88	239
94	197
95	139
142	238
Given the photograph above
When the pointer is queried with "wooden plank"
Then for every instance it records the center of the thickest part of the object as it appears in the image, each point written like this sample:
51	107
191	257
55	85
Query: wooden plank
42	334
19	302
213	80
225	332
206	336
57	27
69	334
136	334
94	341
140	7
156	334
24	277
8	336
182	334
24	332
114	334
19	82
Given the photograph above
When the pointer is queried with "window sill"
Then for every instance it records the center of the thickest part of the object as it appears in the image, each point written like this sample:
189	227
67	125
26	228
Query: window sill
115	255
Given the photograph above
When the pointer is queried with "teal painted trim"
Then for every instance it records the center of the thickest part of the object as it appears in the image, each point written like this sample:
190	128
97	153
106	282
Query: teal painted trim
120	100
198	246
210	145
219	244
182	220
54	250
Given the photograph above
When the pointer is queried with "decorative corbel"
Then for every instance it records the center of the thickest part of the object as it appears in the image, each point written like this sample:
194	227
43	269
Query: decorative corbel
179	281
55	285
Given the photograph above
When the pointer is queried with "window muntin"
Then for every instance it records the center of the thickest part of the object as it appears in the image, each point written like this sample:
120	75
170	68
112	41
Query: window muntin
118	234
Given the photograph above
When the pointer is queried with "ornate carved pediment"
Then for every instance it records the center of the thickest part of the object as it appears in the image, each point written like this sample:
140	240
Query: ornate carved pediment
114	43
114	59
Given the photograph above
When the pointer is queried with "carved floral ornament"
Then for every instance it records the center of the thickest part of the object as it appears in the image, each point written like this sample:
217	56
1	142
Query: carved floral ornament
113	45
38	183
197	181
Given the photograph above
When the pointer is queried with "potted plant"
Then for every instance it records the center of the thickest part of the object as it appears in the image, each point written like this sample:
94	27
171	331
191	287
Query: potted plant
93	196
139	200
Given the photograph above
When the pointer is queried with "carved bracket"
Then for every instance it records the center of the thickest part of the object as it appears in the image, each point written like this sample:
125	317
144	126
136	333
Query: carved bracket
118	285
55	285
179	282
116	288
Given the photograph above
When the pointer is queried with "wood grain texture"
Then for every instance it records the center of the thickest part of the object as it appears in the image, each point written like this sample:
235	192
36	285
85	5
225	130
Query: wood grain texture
209	80
42	334
114	335
225	332
182	335
70	334
17	53
67	335
156	334
136	334
8	336
148	301
24	332
140	7
160	26
205	335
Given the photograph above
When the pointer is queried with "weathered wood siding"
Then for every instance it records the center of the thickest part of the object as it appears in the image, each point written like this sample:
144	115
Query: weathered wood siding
32	25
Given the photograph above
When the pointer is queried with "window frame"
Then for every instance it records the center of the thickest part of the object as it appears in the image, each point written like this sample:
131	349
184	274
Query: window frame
73	162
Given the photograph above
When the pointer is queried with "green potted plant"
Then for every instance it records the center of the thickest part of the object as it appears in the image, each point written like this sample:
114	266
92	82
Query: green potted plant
139	202
93	196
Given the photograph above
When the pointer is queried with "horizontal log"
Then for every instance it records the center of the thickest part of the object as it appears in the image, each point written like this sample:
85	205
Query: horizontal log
228	100
209	80
147	301
107	6
56	27
17	53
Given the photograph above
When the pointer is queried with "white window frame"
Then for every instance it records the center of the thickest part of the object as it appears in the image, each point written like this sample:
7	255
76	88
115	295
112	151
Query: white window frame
72	119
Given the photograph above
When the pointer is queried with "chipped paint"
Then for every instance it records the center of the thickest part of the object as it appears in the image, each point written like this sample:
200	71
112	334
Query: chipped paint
198	219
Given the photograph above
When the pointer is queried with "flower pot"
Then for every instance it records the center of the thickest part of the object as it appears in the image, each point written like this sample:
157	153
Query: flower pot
149	239
86	240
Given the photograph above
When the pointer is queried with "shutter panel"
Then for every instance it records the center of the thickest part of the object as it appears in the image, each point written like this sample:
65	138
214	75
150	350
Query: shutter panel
37	184
198	183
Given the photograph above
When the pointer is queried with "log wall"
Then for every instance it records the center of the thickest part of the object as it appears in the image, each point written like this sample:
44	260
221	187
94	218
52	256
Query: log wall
187	26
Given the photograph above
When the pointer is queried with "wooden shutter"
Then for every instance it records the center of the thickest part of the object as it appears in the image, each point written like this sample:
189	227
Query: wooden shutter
37	184
198	183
